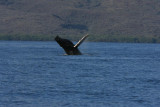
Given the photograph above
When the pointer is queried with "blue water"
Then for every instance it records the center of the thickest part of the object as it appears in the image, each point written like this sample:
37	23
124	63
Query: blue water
38	74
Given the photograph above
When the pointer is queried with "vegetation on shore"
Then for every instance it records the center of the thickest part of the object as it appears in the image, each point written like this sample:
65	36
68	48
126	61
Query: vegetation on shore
106	20
95	38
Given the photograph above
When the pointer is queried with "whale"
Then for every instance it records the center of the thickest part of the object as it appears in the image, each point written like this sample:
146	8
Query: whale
68	46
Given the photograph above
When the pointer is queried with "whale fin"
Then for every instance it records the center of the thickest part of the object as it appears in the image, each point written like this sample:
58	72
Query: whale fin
81	41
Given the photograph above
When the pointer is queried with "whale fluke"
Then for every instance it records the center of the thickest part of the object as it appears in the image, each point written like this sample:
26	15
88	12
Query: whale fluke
69	47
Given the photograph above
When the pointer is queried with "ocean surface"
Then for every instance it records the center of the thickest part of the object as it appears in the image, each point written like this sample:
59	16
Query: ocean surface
38	74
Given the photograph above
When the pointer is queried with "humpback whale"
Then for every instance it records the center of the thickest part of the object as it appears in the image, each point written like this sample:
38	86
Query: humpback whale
68	46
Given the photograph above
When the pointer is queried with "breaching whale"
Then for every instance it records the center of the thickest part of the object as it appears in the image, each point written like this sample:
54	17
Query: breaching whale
68	46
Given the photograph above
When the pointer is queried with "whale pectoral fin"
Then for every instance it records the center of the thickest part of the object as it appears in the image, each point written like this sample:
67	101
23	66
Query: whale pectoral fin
81	41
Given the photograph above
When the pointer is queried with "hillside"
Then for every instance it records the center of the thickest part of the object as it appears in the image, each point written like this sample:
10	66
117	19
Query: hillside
133	18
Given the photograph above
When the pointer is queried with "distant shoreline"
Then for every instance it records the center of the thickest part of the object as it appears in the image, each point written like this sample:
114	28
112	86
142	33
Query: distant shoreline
92	38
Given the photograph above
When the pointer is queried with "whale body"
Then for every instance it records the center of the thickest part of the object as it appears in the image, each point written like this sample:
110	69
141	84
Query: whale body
68	46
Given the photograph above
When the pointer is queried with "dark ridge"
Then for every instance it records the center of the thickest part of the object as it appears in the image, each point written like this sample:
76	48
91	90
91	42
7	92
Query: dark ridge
6	2
88	4
56	16
158	13
74	26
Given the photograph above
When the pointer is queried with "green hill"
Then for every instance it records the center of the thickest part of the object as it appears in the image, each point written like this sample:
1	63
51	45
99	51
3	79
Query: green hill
105	20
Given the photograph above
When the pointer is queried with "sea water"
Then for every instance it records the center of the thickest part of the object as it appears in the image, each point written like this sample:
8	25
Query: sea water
38	74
